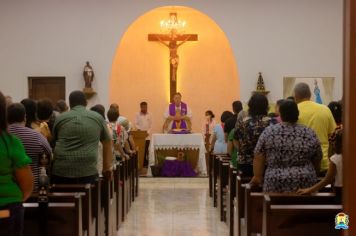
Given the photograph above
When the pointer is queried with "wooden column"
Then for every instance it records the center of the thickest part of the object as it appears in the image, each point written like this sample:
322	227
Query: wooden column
349	153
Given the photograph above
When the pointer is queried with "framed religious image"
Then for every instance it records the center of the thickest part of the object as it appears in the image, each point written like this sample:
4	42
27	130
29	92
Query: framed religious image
321	87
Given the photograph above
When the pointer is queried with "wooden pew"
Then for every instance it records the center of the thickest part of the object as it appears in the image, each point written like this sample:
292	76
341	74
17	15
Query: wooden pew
128	185
133	164
239	204
118	192
216	160
253	209
222	182
62	215
137	174
124	194
254	205
98	210
89	219
210	162
314	218
231	194
108	201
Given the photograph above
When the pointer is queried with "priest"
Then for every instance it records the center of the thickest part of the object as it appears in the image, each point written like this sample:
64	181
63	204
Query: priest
177	117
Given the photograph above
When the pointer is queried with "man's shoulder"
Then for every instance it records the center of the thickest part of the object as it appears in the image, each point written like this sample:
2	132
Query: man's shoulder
17	129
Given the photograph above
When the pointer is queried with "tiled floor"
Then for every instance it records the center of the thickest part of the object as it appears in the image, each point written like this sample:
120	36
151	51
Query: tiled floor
173	207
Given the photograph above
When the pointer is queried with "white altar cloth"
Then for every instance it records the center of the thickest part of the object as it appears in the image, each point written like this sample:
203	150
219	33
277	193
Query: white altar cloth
179	141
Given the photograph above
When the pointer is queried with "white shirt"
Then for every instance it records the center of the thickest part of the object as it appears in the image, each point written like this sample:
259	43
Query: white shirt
337	160
144	122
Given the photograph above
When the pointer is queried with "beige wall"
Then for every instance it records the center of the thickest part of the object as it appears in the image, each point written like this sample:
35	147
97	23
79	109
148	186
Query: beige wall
207	72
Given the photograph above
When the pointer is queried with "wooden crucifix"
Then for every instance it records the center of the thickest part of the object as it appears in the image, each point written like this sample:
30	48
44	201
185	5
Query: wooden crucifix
173	41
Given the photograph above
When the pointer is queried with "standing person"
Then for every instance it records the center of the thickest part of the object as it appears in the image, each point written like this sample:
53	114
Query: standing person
16	179
231	122
60	107
249	130
218	144
35	144
278	115
117	132
334	171
208	128
44	113
77	134
287	154
315	116
178	116
143	121
209	123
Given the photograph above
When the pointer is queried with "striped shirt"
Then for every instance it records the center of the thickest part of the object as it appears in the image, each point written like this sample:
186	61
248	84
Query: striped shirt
35	145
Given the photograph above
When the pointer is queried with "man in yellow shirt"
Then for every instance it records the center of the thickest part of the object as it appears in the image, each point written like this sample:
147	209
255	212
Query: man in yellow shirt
317	117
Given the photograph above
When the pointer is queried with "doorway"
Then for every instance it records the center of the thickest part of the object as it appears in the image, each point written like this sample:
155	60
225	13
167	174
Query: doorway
46	87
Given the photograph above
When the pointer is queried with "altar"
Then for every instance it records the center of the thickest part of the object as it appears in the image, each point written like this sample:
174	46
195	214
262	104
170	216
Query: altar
192	143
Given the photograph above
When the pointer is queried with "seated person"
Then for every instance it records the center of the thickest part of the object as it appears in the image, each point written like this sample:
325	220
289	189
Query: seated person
177	116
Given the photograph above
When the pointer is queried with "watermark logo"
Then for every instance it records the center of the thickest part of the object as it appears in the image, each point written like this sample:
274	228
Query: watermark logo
341	221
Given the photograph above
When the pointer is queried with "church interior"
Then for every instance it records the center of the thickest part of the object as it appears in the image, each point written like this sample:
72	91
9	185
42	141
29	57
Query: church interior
170	118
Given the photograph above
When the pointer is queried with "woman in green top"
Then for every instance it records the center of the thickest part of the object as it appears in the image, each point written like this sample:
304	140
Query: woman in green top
16	180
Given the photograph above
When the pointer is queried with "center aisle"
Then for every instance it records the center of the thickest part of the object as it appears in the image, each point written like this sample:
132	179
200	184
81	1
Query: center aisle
173	207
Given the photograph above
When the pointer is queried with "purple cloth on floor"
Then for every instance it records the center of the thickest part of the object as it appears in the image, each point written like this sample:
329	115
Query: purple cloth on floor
177	169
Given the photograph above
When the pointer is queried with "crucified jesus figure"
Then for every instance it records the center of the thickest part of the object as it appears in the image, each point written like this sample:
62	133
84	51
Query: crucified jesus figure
173	54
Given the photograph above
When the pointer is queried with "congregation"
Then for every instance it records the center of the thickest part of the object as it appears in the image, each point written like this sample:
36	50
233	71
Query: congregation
284	151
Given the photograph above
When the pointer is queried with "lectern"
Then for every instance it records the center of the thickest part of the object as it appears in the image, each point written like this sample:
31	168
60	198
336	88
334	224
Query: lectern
140	141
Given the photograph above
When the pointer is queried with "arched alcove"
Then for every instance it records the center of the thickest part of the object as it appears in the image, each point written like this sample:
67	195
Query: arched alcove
207	73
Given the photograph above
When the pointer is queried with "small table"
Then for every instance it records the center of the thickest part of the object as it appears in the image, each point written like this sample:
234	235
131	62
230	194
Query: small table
181	142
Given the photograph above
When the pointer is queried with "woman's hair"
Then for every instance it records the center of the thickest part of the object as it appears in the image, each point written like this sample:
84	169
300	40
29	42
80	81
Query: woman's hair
61	106
99	109
226	115
237	107
44	109
113	114
31	110
279	102
291	98
258	105
3	114
336	110
210	113
289	111
337	141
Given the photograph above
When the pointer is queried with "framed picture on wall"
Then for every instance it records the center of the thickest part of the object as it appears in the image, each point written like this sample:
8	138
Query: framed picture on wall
322	88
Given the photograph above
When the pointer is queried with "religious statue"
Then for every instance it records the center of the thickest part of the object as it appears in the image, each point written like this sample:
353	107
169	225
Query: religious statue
261	85
88	75
173	55
173	40
177	116
317	93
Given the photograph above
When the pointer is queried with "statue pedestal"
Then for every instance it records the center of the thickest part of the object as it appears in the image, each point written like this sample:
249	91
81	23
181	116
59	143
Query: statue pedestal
261	92
89	92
